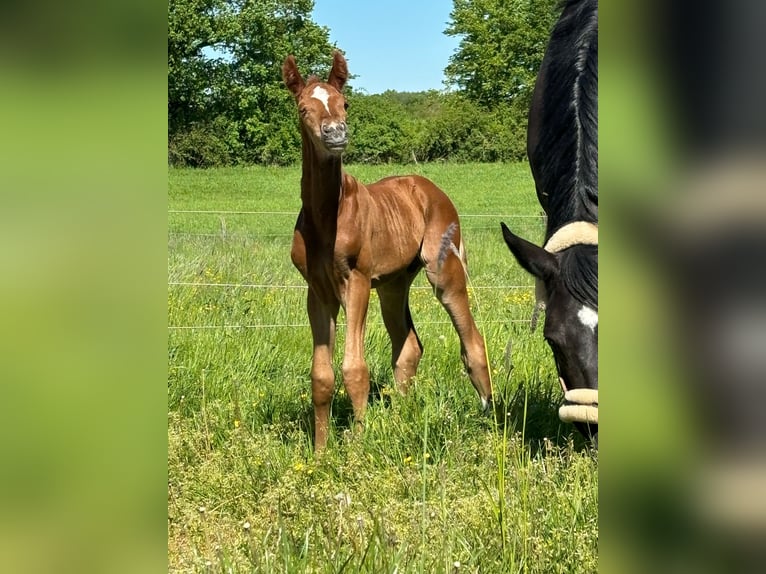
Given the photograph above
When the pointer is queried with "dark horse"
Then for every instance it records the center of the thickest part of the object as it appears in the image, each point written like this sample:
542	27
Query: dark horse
562	145
351	237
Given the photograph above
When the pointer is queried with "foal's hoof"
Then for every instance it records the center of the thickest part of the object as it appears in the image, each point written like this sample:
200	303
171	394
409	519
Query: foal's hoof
493	408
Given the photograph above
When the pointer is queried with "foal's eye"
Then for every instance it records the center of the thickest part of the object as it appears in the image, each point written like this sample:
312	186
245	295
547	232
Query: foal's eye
345	105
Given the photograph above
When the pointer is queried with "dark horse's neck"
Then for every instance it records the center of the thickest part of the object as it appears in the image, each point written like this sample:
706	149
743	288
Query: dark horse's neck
321	184
565	113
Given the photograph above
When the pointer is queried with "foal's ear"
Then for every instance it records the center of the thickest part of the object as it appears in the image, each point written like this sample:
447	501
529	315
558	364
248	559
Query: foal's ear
292	77
339	71
534	259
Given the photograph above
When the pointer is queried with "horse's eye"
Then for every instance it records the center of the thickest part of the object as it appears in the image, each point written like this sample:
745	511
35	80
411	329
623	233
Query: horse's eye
345	105
549	341
553	340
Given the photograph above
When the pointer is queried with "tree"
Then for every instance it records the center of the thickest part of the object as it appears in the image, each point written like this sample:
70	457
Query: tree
193	26
381	129
501	48
225	82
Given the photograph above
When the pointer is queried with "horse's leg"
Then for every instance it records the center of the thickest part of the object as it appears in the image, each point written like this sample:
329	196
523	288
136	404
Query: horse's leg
449	282
322	317
406	348
356	376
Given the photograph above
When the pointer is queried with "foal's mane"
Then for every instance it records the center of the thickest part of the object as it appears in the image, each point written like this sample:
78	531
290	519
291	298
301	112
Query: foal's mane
566	155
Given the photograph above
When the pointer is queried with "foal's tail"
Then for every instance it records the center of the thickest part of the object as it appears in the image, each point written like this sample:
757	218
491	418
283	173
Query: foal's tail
462	254
448	245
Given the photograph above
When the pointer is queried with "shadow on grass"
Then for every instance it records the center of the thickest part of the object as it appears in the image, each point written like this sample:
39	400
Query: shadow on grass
342	411
533	412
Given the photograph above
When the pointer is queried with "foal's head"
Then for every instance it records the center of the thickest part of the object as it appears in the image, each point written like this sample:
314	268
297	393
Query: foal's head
570	293
321	105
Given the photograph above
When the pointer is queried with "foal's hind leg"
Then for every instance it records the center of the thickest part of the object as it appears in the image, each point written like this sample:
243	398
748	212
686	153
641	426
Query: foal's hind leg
406	348
449	282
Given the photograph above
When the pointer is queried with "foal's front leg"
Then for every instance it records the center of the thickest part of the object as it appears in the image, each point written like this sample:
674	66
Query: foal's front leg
322	317
356	376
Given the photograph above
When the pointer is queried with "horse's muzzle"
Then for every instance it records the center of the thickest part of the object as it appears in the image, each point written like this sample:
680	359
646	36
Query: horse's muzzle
335	136
580	405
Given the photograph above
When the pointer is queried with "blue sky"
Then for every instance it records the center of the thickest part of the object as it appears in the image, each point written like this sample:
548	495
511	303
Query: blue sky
390	44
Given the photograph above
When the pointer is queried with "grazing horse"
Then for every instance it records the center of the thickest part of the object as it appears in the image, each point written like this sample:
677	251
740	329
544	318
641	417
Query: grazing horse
351	237
562	145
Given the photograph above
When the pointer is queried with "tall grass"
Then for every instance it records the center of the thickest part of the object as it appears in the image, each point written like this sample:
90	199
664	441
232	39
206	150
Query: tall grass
429	485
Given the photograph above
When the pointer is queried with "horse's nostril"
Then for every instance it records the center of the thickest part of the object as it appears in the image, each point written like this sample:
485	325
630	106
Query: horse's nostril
326	128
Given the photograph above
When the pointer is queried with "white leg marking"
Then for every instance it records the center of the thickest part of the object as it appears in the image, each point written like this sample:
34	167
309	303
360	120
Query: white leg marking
588	317
322	95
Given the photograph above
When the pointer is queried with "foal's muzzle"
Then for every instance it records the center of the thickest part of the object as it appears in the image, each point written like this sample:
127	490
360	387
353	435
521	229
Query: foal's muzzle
335	135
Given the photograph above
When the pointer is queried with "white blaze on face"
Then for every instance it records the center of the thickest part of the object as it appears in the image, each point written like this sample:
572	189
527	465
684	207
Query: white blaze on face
588	317
322	95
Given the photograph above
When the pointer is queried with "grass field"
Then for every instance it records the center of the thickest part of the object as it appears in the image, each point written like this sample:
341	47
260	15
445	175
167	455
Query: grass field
429	485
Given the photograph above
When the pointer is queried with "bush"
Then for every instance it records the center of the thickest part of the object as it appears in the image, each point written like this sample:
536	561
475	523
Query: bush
380	130
460	130
209	144
390	127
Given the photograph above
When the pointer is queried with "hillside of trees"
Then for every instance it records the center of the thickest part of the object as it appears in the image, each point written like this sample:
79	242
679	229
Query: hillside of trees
227	104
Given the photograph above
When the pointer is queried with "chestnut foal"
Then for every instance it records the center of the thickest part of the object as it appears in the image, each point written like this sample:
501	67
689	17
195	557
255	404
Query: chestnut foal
351	237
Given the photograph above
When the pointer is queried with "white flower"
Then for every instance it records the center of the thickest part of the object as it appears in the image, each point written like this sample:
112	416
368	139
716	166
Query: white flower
343	498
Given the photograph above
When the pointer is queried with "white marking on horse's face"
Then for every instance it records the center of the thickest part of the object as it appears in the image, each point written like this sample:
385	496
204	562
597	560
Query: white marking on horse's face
588	317
322	95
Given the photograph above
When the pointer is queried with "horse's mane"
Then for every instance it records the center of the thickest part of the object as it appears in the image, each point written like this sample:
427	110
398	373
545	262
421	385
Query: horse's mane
566	156
578	268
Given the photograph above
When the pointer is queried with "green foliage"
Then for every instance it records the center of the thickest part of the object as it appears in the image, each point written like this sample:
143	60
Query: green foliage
206	144
459	130
381	129
451	127
227	104
224	67
432	126
501	47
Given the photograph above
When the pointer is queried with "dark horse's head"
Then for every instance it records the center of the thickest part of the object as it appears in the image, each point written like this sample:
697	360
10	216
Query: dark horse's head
562	144
566	271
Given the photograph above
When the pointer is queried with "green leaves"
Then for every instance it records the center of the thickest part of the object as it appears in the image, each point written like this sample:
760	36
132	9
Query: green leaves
225	91
227	103
501	48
